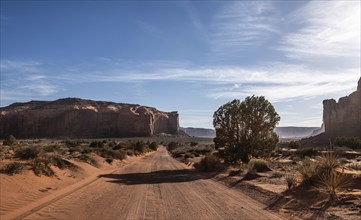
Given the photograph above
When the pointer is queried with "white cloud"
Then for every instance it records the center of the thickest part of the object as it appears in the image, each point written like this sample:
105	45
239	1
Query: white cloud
24	79
20	66
330	29
242	24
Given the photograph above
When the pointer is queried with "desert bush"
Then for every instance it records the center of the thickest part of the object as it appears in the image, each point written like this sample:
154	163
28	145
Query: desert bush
332	182
329	161
258	165
153	146
112	144
27	153
96	144
293	144
13	168
277	174
172	145
306	152
10	140
355	166
71	143
119	146
291	181
209	163
193	143
50	148
204	149
41	166
130	152
109	160
308	169
113	154
188	155
88	159
350	142
140	147
60	162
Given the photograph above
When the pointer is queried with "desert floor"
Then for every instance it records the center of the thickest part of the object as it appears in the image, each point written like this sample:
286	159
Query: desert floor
154	187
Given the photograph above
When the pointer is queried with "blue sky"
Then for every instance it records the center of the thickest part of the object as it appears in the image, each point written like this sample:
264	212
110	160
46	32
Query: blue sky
186	56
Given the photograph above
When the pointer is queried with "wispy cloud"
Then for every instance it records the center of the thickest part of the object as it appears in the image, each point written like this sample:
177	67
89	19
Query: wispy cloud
241	25
24	79
277	81
329	29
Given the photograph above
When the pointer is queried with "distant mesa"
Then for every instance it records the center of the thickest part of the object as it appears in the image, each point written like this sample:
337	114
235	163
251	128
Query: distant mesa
340	119
199	132
296	132
79	118
283	132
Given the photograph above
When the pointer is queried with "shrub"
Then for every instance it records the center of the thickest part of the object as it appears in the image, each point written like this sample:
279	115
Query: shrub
112	144
291	181
140	146
306	152
193	144
329	161
172	145
41	166
109	160
113	154
209	163
293	144
308	169
50	148
153	146
333	181
276	174
355	166
204	149
71	143
60	162
89	160
119	146
10	140
350	142
27	153
13	168
258	165
96	144
188	155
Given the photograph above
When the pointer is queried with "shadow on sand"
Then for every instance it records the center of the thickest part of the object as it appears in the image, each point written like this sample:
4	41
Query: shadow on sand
160	176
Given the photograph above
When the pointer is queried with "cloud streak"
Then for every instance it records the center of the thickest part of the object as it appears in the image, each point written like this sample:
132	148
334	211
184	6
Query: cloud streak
241	25
329	29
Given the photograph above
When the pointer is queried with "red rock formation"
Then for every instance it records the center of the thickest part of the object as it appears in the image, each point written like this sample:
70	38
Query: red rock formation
340	119
78	118
343	118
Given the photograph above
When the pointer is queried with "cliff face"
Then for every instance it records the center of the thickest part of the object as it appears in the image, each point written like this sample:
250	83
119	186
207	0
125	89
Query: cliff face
78	118
340	119
343	118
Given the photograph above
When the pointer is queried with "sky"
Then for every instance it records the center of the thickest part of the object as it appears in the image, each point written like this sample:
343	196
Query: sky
185	56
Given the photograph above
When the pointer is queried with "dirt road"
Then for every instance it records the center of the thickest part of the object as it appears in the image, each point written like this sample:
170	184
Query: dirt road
156	187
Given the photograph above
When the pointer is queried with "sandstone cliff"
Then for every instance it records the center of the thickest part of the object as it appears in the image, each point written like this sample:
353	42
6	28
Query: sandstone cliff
343	118
340	119
78	118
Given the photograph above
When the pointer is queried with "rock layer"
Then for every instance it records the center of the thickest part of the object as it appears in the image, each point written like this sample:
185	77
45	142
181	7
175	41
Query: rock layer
78	118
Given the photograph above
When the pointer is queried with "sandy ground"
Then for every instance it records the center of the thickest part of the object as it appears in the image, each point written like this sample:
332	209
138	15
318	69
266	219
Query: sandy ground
155	187
21	193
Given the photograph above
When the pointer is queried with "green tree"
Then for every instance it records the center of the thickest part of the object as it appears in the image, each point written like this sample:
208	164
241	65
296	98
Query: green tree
10	140
245	129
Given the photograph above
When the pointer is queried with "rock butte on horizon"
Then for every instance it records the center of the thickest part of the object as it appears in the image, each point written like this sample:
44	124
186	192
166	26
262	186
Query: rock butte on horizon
340	119
79	118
